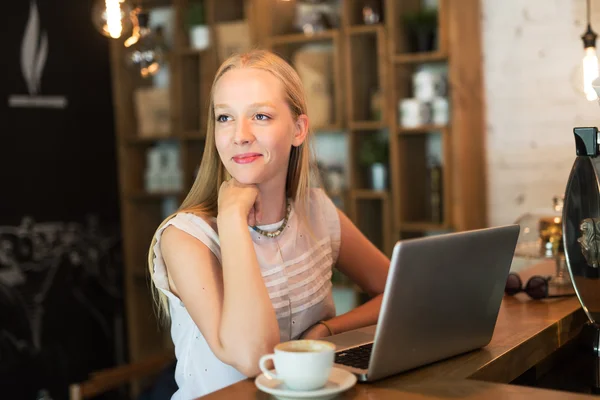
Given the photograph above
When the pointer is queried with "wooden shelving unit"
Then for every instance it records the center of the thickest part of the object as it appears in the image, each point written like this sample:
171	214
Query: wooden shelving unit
366	75
463	175
366	59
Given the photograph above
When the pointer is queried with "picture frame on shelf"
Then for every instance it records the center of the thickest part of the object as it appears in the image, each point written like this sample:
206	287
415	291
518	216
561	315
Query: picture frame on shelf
314	65
233	37
153	112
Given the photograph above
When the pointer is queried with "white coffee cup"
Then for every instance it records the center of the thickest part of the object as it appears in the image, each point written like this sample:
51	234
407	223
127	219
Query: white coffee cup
429	84
414	113
301	364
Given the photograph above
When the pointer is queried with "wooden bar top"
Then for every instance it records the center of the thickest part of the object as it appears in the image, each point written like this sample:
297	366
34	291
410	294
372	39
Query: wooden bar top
526	333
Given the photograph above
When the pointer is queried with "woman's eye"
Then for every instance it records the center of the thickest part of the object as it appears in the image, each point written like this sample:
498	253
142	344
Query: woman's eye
262	117
222	118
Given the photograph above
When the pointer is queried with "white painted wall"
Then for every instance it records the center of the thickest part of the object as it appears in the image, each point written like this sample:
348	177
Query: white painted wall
532	57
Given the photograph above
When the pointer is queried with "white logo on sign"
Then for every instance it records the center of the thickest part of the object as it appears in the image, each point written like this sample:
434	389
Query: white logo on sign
34	51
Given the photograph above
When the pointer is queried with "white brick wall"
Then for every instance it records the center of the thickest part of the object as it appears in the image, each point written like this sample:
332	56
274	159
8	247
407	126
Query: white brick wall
532	57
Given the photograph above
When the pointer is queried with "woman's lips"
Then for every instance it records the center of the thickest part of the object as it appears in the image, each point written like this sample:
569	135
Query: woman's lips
246	158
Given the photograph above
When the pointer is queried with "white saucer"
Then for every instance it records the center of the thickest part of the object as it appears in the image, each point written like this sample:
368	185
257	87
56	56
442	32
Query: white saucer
339	381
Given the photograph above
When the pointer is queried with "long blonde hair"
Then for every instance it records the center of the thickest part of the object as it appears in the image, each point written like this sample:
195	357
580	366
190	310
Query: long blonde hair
202	198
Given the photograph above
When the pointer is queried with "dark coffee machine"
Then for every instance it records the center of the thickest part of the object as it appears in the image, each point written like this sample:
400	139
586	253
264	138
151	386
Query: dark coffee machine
581	237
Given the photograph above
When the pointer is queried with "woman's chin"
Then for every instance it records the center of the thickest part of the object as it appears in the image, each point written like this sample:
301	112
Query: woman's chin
247	179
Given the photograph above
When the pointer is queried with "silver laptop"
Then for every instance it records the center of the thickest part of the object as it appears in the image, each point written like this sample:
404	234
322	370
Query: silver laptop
441	299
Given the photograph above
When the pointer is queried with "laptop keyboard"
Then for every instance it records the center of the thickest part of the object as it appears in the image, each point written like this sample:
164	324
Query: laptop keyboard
357	357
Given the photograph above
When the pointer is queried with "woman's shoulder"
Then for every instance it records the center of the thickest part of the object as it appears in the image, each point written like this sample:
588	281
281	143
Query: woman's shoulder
185	224
184	220
180	235
185	228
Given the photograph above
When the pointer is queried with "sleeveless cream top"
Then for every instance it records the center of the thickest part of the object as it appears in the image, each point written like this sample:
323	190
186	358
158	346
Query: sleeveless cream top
296	267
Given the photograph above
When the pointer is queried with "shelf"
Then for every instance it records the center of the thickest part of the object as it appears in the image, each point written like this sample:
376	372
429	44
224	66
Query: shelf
193	135
366	194
145	196
193	52
423	129
298	38
422	227
365	29
366	125
415	58
328	128
137	140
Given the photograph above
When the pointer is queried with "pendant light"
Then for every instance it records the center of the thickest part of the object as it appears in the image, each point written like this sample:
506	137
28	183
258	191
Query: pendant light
148	54
113	18
590	59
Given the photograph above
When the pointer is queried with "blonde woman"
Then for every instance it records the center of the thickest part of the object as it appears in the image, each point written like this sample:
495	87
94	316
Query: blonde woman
247	260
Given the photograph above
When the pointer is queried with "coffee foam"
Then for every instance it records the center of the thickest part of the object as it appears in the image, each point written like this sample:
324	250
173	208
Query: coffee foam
305	345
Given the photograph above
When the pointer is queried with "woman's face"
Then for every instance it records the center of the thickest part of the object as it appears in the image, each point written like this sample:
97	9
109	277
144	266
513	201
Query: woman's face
254	127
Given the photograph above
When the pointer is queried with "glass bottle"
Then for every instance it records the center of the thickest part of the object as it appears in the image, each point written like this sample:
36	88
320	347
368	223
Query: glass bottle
541	238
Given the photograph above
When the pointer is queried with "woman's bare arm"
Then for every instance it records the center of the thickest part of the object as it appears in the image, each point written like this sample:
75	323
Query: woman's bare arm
230	303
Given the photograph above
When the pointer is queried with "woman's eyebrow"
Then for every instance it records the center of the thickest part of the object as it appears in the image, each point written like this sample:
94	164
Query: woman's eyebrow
262	104
252	106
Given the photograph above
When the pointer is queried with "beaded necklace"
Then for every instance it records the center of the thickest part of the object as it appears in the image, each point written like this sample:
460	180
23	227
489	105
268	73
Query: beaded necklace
279	230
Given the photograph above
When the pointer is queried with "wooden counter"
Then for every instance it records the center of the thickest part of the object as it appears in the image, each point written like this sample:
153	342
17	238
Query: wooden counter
526	333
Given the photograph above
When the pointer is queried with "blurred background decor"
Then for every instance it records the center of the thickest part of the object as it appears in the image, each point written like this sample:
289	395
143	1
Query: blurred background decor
199	31
61	310
374	154
541	237
421	30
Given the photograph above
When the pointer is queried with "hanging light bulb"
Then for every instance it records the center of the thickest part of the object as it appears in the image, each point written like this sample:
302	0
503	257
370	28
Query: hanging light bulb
148	53
135	33
113	17
590	59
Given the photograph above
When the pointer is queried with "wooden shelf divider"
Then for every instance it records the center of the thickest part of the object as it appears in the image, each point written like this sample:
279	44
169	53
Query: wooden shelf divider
365	29
423	130
416	58
366	125
299	38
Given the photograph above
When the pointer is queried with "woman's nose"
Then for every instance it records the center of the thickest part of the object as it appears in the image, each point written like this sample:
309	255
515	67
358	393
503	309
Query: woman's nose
243	133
